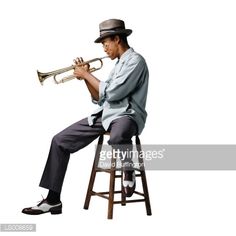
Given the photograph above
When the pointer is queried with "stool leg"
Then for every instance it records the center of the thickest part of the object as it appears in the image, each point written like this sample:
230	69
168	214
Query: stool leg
143	178
111	188
93	173
146	194
123	197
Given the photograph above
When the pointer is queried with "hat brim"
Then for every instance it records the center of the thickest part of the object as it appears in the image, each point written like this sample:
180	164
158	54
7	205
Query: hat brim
126	32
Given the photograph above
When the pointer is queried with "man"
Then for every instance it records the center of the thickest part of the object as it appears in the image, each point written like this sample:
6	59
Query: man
121	99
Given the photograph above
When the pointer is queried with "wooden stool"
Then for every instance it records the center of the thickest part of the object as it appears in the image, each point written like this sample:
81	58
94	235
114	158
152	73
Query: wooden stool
113	176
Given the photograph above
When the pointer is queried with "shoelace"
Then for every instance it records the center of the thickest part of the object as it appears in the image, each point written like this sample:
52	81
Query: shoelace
40	202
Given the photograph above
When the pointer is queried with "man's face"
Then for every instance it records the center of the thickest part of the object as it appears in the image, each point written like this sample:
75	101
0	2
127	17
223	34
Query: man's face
110	46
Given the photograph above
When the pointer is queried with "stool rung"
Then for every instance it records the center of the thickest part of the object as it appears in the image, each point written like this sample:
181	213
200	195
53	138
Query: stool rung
118	191
118	176
138	193
107	171
98	169
137	169
102	194
129	201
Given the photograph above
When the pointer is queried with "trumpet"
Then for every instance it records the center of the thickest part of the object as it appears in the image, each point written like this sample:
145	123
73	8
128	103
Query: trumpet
55	73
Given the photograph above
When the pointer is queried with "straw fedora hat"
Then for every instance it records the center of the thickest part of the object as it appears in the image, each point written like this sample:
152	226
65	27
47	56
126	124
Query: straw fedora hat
112	27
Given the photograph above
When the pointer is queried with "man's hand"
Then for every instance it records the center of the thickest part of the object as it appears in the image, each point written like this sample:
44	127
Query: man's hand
80	70
82	73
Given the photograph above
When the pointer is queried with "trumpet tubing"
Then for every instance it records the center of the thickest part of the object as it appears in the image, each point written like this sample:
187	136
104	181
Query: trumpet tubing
43	76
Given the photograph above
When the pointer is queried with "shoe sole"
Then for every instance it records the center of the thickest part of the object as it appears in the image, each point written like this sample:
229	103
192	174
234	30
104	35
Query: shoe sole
56	210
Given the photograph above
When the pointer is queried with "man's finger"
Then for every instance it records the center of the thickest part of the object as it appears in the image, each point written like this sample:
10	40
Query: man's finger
78	60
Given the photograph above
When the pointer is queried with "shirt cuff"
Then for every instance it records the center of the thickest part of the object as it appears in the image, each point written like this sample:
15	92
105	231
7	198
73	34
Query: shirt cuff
102	91
94	101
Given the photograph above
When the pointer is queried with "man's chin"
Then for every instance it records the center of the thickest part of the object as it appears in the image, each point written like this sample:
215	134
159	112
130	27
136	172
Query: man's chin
111	57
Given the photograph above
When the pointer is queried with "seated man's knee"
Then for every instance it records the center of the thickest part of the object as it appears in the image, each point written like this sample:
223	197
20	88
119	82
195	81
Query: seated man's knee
116	139
57	139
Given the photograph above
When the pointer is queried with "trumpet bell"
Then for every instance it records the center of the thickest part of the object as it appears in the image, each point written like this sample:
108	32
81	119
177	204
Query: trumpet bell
42	76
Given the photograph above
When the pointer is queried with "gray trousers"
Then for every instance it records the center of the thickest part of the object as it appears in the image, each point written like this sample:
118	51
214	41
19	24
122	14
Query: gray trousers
76	137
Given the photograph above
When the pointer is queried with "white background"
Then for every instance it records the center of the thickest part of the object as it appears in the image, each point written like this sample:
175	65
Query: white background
191	53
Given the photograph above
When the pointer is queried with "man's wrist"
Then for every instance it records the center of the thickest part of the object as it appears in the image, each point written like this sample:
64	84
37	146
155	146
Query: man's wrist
87	76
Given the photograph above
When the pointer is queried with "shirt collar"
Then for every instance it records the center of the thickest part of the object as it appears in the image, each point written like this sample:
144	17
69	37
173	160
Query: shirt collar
126	54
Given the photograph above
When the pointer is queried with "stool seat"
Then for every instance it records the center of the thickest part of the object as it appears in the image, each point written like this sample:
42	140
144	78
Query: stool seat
109	195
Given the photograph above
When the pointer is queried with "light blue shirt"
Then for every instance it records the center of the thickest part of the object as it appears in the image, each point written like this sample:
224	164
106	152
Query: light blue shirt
124	93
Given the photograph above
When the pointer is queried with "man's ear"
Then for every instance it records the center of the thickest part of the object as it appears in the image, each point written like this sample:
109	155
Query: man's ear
117	39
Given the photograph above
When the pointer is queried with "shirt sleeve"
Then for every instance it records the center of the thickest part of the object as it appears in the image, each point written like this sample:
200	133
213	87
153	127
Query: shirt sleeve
102	91
102	87
125	82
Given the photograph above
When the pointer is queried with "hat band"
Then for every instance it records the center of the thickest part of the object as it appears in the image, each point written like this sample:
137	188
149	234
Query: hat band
112	30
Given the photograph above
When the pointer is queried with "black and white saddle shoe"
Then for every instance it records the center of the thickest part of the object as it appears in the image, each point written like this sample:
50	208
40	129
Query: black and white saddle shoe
43	207
129	183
